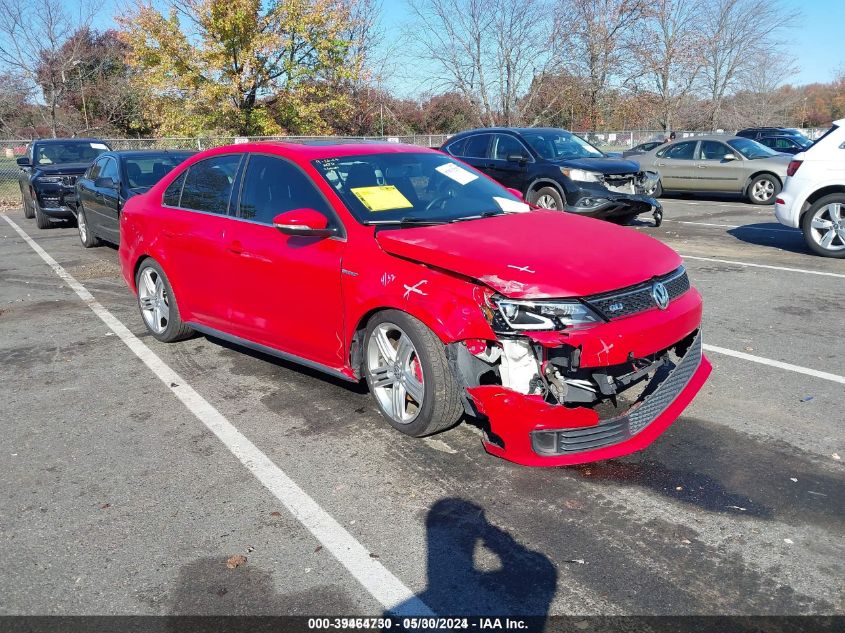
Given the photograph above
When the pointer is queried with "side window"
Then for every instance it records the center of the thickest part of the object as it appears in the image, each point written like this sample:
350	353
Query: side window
681	151
273	186
174	191
94	170
476	146
783	143
109	170
457	148
713	150
505	145
208	185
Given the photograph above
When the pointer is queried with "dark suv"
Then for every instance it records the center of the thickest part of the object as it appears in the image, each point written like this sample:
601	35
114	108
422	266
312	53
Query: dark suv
786	144
48	174
556	169
756	133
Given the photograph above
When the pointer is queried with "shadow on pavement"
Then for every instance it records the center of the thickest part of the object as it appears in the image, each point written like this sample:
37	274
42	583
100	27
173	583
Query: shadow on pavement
773	235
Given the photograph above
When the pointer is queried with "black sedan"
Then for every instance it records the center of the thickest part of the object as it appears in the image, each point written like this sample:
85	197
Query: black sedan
556	169
642	148
48	172
110	182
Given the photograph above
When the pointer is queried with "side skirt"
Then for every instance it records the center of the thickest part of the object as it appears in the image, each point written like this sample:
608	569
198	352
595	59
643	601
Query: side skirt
270	351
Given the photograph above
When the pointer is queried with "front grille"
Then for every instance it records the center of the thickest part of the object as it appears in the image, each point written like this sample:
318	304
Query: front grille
636	299
620	183
637	418
69	181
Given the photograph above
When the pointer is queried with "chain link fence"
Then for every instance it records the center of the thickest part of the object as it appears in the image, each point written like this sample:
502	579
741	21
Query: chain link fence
10	150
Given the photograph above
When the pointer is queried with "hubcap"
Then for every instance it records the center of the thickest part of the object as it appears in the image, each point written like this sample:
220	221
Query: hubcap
763	190
547	202
83	228
396	376
827	228
152	297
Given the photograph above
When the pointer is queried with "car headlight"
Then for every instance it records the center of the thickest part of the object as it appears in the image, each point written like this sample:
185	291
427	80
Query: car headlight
581	174
49	179
544	315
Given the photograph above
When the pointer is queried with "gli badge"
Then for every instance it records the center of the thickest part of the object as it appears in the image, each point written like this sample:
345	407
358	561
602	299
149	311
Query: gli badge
660	295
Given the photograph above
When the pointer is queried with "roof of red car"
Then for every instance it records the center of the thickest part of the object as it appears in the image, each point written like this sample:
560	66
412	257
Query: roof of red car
311	150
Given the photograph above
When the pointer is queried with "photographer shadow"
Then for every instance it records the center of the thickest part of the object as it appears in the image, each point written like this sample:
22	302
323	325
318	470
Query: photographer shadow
476	568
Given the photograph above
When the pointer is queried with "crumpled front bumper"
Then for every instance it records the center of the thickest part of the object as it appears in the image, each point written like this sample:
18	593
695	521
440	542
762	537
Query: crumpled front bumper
613	205
526	430
57	201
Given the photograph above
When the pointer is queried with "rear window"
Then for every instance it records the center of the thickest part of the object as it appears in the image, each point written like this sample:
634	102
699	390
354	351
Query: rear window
145	171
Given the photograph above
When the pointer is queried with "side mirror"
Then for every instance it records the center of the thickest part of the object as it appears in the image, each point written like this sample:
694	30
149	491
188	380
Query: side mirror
23	161
517	158
729	157
304	222
516	192
105	183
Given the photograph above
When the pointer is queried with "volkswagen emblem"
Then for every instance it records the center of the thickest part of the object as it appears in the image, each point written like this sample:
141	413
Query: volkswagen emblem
660	295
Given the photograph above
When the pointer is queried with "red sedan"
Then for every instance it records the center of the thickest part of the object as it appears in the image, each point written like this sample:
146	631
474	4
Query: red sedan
569	339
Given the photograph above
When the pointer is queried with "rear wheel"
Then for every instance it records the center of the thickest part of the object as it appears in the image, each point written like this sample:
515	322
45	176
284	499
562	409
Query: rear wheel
823	226
763	189
158	305
547	198
408	374
86	235
655	191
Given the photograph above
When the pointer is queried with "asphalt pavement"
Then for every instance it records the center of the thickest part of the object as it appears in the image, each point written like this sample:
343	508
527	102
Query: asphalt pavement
123	493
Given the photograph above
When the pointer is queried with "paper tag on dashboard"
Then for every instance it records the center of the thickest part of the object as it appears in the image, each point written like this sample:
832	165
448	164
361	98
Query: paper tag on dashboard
456	173
381	198
99	146
511	206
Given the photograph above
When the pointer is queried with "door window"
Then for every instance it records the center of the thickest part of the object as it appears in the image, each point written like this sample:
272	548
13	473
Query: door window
96	168
109	170
679	151
713	150
476	146
273	186
505	145
208	185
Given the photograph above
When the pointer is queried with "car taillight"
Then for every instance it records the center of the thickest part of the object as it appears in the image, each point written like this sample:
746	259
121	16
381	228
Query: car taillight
780	201
793	167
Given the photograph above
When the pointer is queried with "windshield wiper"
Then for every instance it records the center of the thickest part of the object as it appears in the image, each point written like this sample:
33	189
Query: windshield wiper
408	221
486	214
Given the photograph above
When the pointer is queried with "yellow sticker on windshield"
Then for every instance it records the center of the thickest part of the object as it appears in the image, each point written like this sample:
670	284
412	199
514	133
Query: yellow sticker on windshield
383	198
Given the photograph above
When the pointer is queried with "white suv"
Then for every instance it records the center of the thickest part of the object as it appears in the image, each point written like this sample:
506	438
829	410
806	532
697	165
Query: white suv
813	196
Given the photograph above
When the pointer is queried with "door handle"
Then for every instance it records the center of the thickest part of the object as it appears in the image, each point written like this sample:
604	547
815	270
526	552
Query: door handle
660	164
236	248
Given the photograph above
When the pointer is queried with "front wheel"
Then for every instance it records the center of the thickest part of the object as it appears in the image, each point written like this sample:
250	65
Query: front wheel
823	226
86	235
158	304
763	189
28	210
547	198
408	374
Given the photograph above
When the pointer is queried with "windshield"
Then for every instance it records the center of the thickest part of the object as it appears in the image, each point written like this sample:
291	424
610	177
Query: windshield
142	172
560	145
70	152
751	149
414	188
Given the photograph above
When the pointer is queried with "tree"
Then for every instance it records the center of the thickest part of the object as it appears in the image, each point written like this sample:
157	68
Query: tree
35	42
597	34
668	57
16	111
488	51
228	65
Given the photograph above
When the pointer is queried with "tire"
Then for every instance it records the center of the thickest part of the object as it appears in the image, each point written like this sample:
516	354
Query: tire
28	211
155	298
441	405
42	220
86	234
547	196
658	191
763	189
823	212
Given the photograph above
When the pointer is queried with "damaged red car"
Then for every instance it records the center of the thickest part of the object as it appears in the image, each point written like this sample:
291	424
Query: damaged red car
569	339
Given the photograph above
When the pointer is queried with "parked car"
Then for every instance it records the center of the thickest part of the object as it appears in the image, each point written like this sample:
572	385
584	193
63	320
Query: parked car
555	169
756	133
574	339
48	173
785	144
718	163
642	148
813	198
110	181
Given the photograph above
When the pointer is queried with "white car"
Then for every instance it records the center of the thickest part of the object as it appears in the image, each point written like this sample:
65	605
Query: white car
813	196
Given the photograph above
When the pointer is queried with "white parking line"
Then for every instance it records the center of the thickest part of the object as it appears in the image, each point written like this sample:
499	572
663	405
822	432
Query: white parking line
736	263
738	226
380	582
776	363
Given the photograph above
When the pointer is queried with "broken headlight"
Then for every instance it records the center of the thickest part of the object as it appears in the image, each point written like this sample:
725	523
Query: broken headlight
581	175
544	315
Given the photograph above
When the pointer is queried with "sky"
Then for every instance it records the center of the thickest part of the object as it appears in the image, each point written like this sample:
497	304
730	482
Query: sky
815	40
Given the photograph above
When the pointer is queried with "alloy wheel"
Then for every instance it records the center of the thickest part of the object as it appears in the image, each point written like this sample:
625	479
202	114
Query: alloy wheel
547	202
82	226
763	190
396	377
828	227
152	297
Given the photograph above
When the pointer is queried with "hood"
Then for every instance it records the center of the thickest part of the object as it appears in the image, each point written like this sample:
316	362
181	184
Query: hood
603	165
63	169
541	254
